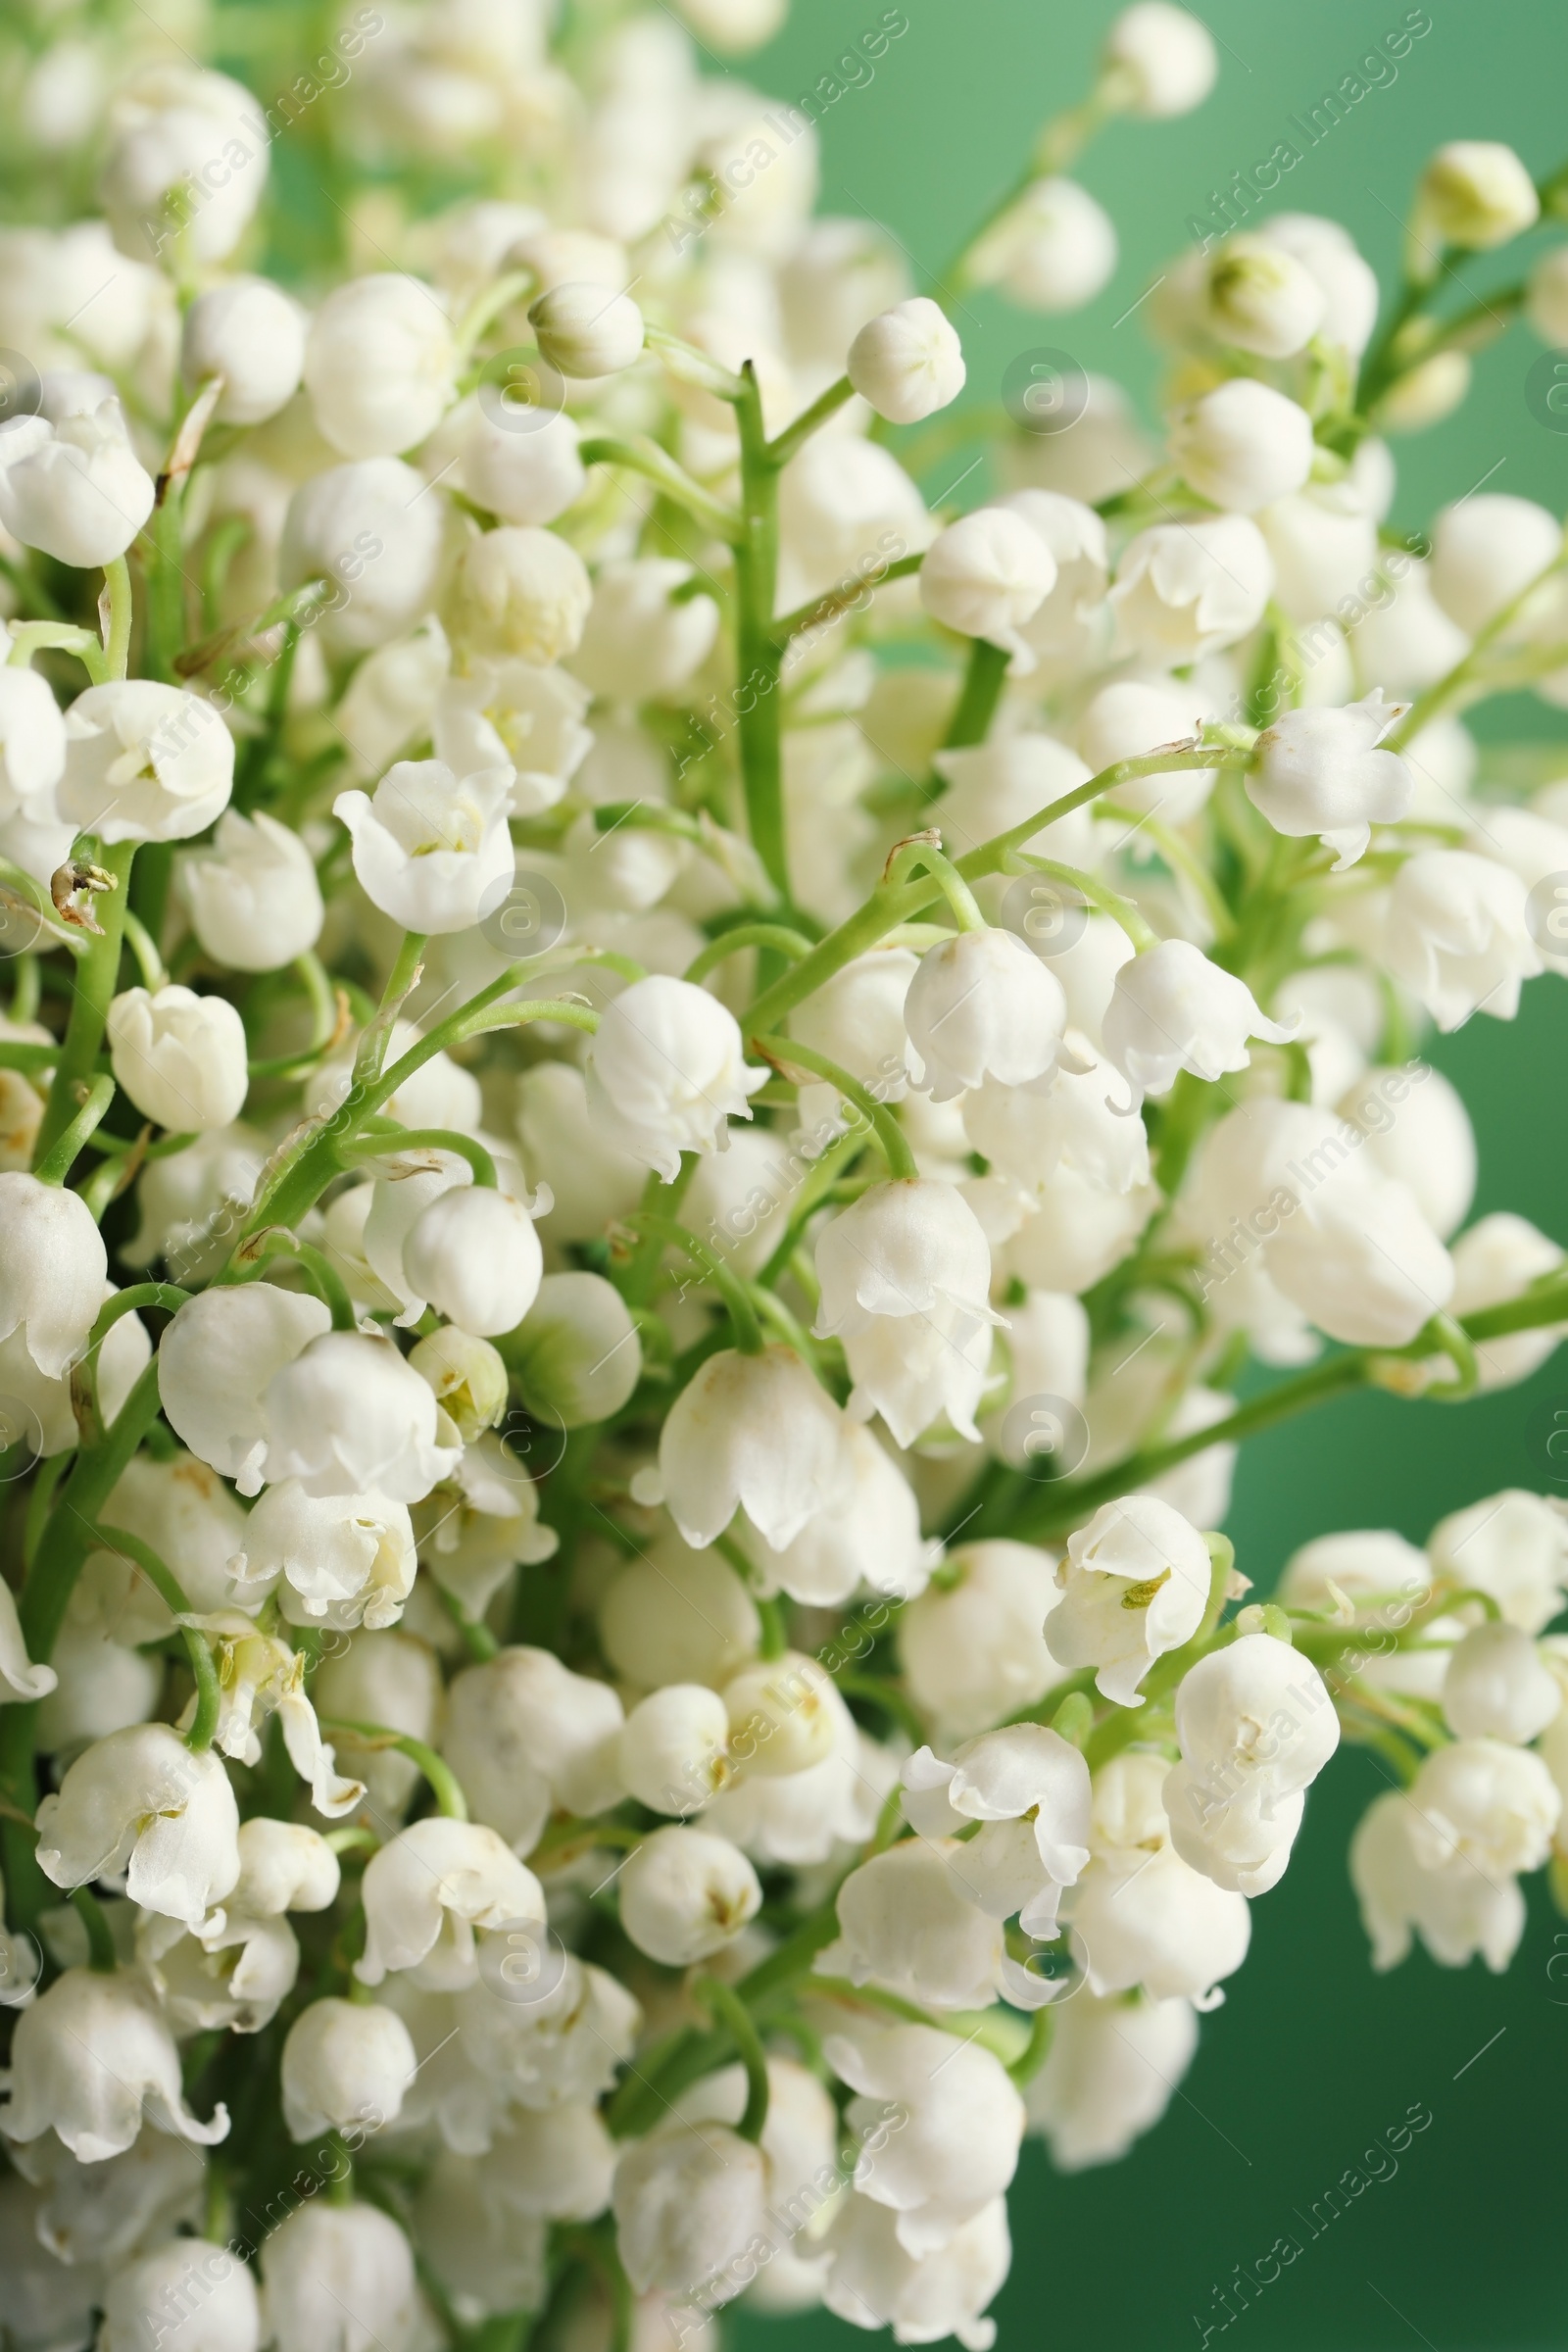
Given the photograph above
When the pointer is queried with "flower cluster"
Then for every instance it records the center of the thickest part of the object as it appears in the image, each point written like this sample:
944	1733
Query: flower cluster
653	1097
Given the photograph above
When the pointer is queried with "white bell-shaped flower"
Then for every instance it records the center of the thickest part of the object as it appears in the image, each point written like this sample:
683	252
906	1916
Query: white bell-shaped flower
379	364
906	1274
1484	1803
186	154
429	1889
583	330
867	1532
1184	590
252	334
348	1416
1497	1687
907	1925
1256	1712
1458	935
1496	1259
339	2279
89	2059
1127	720
1243	445
640	644
751	1433
52	1278
1135	1585
1486	551
523	1734
1174	1010
430	848
199	2295
577	1353
1021	1775
474	1254
1262	298
515	713
346	1559
782	1716
1361	1260
1140	1915
232	1977
1458	1910
666	1072
1512	1546
32	747
1051	249
959	2145
1240	1839
1085	1121
971	1648
907	362
528	479
678	1616
520	592
566	2046
80	493
685	1894
987	575
873	2281
143	1802
181	1057
688	2204
1166	56
1320	772
284	1866
1111	2071
214	1361
109	2211
981	1005
145	762
345	2064
252	896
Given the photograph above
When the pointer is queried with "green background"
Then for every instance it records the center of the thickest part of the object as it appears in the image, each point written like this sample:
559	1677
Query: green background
1312	2056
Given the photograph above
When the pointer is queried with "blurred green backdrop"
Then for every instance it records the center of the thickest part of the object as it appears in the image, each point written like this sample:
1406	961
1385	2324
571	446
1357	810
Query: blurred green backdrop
1312	2056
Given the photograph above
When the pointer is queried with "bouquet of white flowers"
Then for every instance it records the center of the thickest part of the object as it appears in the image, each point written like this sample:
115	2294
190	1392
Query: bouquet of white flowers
652	1101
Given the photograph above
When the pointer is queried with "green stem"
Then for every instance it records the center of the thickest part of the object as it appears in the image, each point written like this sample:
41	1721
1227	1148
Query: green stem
117	641
426	1139
96	976
976	706
401	980
758	652
102	1957
822	610
660	1200
778	936
477	1639
728	1284
1448	689
57	1162
782	1051
726	2008
910	856
642	456
445	1786
209	1696
827	404
1095	893
249	1264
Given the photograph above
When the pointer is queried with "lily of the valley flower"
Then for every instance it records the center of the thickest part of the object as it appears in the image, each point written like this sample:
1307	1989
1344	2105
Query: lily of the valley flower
667	1071
1174	1010
1029	1789
430	848
429	1889
1320	772
144	762
1135	1585
142	1801
52	1278
981	1005
905	1275
89	2059
751	1433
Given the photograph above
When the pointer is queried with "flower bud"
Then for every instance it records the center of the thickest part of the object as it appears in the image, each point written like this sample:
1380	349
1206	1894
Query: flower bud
1166	56
1497	1260
345	2064
1486	551
172	130
908	362
524	1734
1512	1546
523	478
379	364
585	331
474	1254
1458	935
1243	445
52	1270
1486	1803
347	1416
1112	2072
985	576
253	898
377	540
640	644
1476	193
518	590
252	334
681	1616
674	1750
1497	1688
181	1057
751	1433
981	1005
577	1354
1052	249
685	1894
1262	298
779	1717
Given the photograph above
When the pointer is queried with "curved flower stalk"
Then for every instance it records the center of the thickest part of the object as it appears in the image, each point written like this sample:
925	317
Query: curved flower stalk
693	1195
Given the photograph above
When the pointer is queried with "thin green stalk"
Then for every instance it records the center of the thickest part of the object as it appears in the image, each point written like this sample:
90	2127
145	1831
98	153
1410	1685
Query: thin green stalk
727	2010
209	1696
1093	893
57	1163
783	1051
400	981
777	936
909	855
828	607
426	1139
445	1786
117	639
642	456
101	1958
96	978
794	436
976	706
249	1264
729	1285
758	652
